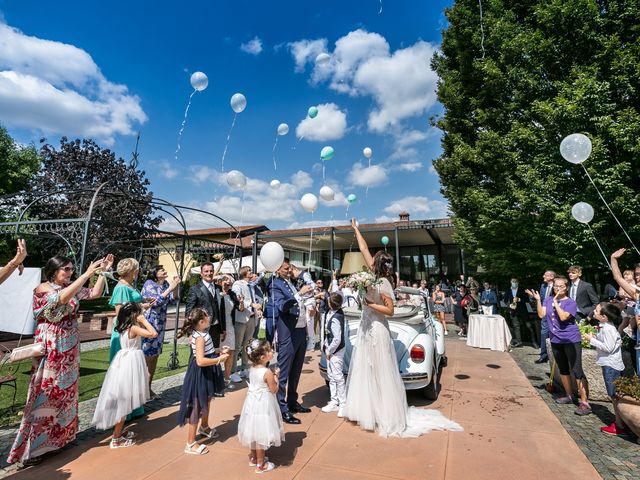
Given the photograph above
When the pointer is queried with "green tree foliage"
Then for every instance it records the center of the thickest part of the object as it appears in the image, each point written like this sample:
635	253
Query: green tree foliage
17	164
549	68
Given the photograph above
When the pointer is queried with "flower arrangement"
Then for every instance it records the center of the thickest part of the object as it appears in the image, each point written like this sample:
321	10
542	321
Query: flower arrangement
361	281
586	328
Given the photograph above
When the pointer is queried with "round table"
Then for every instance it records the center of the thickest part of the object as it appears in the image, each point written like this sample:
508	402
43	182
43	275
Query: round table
488	331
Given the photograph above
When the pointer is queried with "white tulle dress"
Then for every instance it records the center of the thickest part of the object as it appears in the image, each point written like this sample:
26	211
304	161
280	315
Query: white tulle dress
125	386
260	424
376	398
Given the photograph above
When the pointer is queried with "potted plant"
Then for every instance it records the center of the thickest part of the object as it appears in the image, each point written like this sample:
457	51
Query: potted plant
628	405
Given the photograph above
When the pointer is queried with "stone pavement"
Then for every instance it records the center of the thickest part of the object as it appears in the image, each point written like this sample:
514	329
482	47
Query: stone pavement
509	433
615	458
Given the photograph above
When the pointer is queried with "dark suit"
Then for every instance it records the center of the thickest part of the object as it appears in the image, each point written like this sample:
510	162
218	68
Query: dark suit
291	341
586	298
544	327
519	315
200	297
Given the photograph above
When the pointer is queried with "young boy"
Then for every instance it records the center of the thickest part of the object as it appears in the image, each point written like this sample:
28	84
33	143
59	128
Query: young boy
309	304
607	343
333	348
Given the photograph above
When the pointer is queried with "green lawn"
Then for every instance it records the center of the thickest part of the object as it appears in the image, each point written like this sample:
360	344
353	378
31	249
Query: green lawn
93	367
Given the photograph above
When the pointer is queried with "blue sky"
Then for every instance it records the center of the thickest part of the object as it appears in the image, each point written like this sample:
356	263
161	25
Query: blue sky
107	70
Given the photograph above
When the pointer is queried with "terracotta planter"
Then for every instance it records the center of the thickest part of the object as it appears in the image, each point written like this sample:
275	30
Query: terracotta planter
593	372
629	411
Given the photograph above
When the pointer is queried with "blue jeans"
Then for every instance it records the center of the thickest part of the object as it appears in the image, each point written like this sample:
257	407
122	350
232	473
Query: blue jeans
544	334
610	374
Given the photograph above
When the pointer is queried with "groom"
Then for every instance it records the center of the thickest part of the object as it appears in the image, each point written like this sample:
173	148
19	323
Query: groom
291	328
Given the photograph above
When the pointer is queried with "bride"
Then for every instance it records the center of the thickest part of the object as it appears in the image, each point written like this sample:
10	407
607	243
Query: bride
376	397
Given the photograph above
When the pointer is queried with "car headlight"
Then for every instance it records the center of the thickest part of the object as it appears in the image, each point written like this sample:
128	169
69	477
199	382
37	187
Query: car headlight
417	353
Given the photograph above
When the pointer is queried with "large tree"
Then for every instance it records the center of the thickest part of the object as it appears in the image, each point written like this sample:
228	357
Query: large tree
513	85
18	164
122	213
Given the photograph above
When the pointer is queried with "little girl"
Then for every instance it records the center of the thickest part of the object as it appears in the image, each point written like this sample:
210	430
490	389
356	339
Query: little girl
126	384
607	343
199	381
260	424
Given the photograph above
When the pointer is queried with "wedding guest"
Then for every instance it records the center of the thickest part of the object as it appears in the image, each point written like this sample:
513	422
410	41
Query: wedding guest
473	307
15	262
255	286
158	291
438	298
546	289
564	334
125	292
204	294
582	292
518	313
634	292
231	305
245	323
607	343
489	298
50	415
460	309
333	347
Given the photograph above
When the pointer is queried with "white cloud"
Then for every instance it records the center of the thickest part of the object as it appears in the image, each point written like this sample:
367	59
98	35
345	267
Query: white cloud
253	47
57	88
401	83
201	173
318	223
432	170
410	137
301	180
385	219
166	170
329	124
305	51
418	207
362	176
410	166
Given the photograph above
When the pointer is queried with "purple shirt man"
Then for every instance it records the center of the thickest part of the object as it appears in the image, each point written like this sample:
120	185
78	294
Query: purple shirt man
559	331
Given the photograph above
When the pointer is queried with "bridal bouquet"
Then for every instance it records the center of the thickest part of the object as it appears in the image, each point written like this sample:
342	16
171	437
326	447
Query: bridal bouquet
361	281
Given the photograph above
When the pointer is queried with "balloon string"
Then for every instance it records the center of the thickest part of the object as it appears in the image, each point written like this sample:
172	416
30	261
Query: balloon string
224	154
346	214
599	246
296	144
610	211
481	30
311	239
184	122
380	8
241	221
275	167
322	171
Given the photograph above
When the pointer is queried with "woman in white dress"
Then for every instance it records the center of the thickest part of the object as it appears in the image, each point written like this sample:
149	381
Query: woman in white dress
376	397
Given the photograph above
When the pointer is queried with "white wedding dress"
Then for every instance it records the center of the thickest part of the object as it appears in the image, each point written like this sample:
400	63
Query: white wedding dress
376	398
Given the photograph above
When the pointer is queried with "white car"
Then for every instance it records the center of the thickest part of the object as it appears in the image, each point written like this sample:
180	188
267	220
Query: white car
418	339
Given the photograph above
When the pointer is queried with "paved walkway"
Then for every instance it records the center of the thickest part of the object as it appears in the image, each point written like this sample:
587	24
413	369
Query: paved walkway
509	433
615	458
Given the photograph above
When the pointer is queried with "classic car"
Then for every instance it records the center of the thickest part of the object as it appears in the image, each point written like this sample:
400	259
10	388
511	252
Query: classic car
418	339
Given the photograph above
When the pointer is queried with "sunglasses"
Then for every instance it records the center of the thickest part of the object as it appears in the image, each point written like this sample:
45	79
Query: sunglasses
68	269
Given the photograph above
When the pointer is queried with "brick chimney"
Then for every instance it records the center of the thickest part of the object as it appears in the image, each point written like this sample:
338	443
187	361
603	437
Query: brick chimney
404	216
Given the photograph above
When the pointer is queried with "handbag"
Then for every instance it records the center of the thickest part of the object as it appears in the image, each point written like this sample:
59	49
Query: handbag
34	350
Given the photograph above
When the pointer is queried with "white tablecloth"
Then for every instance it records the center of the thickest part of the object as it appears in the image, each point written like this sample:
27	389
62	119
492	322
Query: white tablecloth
488	331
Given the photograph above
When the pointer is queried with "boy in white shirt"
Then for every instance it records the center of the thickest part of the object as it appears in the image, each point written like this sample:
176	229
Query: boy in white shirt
607	343
333	348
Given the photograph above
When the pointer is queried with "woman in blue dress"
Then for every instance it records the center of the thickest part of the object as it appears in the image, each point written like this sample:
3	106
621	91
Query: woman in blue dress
161	292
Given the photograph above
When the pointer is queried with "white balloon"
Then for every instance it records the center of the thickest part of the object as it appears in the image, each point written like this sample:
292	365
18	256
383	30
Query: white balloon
283	129
271	256
323	59
275	184
582	212
367	152
575	148
199	81
309	202
327	193
236	180
238	102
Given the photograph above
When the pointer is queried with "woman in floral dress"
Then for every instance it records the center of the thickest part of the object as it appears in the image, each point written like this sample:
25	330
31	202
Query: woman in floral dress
50	419
158	289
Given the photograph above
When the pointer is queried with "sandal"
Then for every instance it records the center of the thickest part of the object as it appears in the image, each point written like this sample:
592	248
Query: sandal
201	450
265	467
121	442
209	433
254	463
126	433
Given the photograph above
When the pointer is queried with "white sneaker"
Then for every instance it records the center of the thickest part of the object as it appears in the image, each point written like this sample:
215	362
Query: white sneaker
330	407
341	411
244	374
235	378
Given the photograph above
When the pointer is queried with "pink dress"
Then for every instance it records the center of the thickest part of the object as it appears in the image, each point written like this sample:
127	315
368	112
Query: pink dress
50	418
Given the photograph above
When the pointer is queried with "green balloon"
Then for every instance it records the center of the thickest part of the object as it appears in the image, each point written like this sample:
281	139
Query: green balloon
326	153
313	112
385	240
352	198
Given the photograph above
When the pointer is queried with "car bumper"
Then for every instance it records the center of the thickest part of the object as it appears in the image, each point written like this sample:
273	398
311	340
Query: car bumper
411	381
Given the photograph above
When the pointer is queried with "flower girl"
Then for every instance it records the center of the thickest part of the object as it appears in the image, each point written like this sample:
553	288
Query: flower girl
260	424
126	384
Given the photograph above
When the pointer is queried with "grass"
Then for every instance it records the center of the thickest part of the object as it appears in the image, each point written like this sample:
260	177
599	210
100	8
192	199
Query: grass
93	367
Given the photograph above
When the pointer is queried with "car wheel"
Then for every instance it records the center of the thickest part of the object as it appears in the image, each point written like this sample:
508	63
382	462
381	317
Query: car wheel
430	392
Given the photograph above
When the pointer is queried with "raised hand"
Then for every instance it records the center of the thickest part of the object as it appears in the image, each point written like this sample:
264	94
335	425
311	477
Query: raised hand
533	293
94	267
106	263
21	252
354	224
618	253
